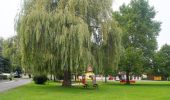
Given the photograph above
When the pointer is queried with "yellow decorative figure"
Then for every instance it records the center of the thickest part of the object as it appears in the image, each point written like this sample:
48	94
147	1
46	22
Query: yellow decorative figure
89	72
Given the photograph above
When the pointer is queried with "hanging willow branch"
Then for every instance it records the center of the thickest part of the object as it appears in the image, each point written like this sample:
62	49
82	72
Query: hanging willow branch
57	35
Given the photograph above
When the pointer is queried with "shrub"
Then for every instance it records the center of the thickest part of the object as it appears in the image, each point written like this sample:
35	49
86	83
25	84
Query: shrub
40	79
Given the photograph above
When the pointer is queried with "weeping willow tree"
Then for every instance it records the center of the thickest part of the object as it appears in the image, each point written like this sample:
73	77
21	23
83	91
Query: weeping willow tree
107	52
111	50
55	35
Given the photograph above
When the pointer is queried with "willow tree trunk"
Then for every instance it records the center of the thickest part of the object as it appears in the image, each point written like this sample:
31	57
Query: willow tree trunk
127	77
67	78
76	77
105	77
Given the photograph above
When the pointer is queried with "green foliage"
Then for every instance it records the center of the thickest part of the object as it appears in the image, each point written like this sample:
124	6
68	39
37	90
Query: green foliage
5	65
11	51
40	79
56	37
112	49
161	64
132	61
139	28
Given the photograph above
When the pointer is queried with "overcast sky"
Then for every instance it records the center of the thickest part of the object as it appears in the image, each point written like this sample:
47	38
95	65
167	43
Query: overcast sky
9	9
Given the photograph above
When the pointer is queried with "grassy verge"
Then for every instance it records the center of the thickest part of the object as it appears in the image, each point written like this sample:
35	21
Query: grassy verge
109	91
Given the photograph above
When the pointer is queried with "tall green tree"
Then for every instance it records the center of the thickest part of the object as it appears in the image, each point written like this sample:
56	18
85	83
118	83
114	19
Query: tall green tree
139	28
55	35
161	65
111	50
11	52
5	65
131	62
4	62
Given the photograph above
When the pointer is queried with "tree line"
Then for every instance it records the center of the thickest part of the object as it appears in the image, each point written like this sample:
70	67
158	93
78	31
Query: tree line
62	37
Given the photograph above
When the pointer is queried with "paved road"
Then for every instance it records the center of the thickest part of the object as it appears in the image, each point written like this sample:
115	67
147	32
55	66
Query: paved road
6	85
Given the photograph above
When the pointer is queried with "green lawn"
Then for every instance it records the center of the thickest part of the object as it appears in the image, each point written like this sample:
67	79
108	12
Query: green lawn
109	91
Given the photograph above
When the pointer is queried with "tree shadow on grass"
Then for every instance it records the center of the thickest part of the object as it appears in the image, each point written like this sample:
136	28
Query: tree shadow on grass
55	87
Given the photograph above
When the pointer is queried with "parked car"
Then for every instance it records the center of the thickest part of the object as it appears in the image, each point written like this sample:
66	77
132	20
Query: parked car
17	75
5	76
